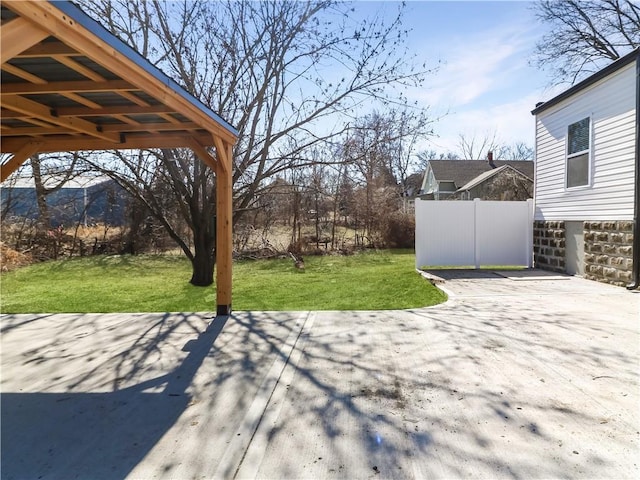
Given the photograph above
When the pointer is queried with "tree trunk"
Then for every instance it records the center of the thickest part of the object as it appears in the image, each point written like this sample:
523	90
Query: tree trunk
203	265
44	219
204	260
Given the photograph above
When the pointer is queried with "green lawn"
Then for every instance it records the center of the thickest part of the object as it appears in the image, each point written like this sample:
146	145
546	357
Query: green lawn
367	281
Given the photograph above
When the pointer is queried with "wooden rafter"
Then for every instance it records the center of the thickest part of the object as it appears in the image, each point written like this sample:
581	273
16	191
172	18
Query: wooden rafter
78	67
43	112
18	72
66	87
43	84
107	111
119	128
48	49
17	35
39	123
132	141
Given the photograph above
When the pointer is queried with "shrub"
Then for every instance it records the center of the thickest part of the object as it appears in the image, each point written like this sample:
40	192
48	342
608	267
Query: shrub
399	230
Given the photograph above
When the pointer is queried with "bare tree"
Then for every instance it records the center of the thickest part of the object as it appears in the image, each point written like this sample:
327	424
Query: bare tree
515	151
50	174
380	152
423	157
584	35
287	74
410	128
477	147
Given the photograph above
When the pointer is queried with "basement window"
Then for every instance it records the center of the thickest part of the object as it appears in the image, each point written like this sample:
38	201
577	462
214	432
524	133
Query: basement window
578	153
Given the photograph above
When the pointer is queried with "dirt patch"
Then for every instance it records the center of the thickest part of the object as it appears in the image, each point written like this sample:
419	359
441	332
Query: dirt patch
386	392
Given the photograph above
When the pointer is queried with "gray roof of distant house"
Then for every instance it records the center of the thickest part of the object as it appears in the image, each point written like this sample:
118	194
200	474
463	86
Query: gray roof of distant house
488	174
462	172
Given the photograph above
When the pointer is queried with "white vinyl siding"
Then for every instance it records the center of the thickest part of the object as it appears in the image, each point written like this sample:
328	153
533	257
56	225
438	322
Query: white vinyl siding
610	104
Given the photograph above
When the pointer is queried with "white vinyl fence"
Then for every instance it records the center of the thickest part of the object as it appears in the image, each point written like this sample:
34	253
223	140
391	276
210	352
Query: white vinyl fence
477	233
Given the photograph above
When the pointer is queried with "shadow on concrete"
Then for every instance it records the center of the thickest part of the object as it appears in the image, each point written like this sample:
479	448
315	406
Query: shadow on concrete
465	274
478	388
98	434
448	391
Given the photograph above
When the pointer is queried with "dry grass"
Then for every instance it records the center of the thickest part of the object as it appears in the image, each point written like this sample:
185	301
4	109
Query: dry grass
11	259
278	239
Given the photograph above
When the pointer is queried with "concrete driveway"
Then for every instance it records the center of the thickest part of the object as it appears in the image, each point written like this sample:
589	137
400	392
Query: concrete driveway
533	376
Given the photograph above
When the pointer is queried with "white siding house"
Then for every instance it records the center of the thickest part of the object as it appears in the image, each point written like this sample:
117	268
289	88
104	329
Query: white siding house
585	189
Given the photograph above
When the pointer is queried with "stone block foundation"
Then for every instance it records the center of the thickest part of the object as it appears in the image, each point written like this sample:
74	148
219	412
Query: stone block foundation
549	245
608	249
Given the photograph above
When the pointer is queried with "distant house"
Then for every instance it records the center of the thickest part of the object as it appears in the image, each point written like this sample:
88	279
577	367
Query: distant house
503	183
457	179
587	176
84	200
411	191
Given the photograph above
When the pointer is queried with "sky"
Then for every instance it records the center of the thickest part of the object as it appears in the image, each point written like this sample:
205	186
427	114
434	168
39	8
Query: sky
484	84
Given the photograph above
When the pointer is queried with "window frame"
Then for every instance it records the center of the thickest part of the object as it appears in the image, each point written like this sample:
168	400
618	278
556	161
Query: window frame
588	152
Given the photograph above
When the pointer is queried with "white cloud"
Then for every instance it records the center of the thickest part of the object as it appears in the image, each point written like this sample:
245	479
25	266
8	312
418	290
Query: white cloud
467	75
510	122
477	64
485	85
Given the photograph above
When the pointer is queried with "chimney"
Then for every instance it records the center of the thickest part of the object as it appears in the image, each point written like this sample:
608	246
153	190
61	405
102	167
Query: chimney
490	160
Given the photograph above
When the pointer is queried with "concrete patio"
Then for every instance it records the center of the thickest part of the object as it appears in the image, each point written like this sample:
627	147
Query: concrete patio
531	376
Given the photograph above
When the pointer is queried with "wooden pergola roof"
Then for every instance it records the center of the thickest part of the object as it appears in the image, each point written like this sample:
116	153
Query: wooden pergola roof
69	85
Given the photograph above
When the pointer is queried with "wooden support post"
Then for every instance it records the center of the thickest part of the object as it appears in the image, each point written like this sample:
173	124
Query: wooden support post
224	224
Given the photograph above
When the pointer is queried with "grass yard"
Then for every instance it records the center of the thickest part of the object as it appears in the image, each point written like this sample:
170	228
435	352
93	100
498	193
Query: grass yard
368	281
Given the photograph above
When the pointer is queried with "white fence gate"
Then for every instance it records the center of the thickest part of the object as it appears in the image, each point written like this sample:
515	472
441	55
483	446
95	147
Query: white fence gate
477	233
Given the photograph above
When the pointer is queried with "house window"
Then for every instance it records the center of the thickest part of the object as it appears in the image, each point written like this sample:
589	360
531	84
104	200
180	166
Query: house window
578	143
448	186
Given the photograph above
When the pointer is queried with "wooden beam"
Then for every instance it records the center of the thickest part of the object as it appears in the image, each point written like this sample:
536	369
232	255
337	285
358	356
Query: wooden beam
96	77
152	127
34	131
221	153
204	155
125	119
169	118
48	49
66	143
41	84
65	87
17	35
81	100
18	72
35	121
125	128
78	67
27	150
43	112
108	111
224	237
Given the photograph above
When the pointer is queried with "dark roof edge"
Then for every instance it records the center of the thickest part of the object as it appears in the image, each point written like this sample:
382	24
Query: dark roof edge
96	28
632	56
